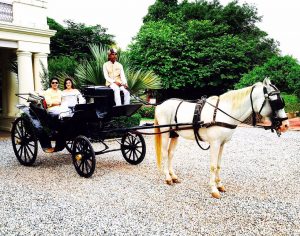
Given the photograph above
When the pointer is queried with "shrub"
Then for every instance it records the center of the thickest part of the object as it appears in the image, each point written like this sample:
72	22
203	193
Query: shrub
292	103
121	122
147	111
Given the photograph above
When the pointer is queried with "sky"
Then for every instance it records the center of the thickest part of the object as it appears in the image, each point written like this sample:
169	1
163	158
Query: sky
123	18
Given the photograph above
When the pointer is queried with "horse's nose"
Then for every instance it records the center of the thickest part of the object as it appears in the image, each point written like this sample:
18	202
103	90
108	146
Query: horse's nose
285	126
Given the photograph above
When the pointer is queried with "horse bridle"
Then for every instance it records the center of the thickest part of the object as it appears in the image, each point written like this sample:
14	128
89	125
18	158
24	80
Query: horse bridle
276	105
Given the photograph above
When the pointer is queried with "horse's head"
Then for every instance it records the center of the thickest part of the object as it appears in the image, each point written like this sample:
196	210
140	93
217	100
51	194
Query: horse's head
270	104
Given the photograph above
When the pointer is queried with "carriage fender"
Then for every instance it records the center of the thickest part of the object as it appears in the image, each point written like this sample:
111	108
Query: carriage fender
36	123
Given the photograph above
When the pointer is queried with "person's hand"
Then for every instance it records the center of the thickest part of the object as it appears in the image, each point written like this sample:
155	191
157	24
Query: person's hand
118	83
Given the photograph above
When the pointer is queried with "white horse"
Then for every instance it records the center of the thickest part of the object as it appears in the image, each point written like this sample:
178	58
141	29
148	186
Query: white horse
262	98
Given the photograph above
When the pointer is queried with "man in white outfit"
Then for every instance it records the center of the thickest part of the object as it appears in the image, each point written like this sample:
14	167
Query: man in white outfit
115	77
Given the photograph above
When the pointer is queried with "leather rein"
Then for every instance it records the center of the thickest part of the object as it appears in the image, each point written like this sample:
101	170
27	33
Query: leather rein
276	105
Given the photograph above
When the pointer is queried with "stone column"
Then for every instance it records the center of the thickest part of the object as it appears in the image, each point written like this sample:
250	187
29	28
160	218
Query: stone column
39	62
12	99
25	73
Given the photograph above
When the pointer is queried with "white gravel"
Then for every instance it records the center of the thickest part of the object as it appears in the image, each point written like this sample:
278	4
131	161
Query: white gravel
260	171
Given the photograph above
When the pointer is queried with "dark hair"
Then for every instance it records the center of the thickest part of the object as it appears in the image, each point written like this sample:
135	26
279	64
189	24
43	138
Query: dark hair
65	82
111	51
54	78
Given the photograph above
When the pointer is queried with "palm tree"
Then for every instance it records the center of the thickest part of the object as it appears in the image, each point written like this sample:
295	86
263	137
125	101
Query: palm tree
91	72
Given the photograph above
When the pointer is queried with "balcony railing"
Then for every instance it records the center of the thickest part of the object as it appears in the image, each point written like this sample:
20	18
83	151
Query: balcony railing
6	12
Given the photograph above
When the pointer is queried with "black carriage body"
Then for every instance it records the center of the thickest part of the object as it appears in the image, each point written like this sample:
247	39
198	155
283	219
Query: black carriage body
89	122
91	119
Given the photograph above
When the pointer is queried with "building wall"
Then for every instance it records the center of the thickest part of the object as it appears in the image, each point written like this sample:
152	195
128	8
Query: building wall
26	39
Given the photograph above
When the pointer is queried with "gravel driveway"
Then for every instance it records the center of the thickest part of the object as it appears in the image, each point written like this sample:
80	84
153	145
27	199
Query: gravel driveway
260	171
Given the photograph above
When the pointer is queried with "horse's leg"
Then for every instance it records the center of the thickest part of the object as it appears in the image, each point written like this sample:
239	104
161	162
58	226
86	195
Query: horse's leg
214	153
219	183
164	152
171	151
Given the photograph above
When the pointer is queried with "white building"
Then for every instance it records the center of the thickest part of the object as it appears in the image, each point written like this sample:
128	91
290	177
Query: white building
24	37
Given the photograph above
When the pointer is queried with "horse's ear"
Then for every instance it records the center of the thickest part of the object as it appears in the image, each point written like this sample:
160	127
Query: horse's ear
266	81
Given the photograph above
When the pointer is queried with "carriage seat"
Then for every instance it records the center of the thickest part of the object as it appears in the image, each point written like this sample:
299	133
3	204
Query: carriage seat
101	96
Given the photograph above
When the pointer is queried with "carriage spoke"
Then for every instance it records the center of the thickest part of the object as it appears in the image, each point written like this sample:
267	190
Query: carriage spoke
87	167
25	153
31	144
30	151
127	150
82	166
88	164
139	141
138	151
19	148
130	154
18	131
134	156
18	137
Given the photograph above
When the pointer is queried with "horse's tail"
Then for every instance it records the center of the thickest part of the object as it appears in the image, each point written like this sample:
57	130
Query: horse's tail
157	143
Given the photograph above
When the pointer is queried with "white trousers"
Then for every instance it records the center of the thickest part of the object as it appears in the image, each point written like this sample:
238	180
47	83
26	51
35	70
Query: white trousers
117	90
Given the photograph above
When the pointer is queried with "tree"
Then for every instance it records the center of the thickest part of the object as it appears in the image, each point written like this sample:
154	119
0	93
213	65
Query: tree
73	40
284	72
200	44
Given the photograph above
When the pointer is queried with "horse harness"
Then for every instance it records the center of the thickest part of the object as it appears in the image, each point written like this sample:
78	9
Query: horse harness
275	104
197	117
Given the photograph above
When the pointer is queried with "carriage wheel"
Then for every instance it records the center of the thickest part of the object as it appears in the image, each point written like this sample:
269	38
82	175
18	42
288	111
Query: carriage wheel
24	141
69	145
83	156
133	148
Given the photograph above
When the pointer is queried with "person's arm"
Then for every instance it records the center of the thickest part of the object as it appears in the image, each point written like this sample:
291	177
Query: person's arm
48	99
105	73
123	77
81	99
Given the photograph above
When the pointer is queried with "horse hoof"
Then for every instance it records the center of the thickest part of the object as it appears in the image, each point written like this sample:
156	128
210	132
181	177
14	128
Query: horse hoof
176	181
169	182
216	195
222	189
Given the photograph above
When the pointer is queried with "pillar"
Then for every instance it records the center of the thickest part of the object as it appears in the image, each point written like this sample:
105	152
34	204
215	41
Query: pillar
25	73
12	99
40	66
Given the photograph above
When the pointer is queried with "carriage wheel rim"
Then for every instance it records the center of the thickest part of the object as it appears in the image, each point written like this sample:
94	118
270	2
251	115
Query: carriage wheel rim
24	142
83	157
133	148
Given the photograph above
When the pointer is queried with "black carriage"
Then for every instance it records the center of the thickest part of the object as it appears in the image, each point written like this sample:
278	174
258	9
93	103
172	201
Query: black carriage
88	123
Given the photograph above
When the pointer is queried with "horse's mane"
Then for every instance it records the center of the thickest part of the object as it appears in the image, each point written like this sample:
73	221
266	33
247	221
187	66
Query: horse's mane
237	97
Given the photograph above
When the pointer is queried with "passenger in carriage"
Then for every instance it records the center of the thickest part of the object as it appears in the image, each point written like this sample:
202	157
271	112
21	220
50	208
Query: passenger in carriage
53	101
115	78
70	97
53	97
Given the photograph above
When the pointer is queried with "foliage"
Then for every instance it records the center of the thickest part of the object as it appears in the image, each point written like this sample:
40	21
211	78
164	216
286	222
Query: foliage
147	111
284	72
200	44
62	65
122	122
91	71
292	103
73	40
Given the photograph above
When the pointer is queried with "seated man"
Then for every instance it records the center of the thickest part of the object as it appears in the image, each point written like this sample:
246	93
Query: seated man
53	97
115	78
